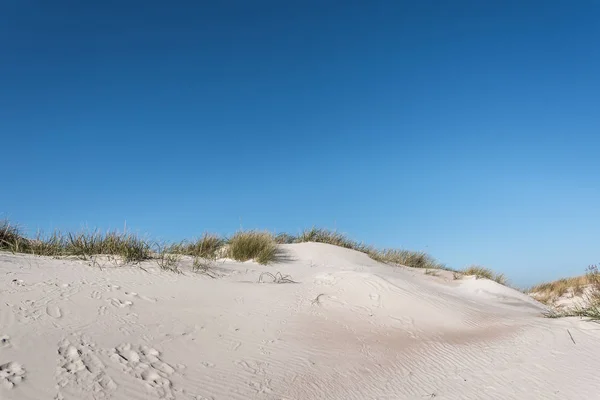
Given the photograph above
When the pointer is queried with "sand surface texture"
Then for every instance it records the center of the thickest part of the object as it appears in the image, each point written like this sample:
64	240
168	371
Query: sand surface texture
348	328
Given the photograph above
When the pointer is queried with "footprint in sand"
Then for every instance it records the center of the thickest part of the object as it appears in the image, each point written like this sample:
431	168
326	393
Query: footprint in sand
145	363
96	295
120	303
254	367
80	367
134	294
54	311
11	374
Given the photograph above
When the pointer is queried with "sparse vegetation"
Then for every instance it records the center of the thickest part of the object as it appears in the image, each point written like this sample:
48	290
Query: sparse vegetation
243	246
259	246
335	238
591	308
550	291
414	259
166	259
483	272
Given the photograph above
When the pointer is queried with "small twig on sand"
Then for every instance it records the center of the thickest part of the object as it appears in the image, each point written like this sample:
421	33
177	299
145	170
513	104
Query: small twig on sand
571	336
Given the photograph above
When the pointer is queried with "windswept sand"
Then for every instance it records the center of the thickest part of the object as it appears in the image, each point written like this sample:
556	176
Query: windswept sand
351	328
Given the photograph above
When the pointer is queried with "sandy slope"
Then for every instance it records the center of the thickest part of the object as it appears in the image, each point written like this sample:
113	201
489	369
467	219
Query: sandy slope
72	331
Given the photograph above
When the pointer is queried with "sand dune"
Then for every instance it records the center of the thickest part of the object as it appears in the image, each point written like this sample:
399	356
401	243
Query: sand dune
348	328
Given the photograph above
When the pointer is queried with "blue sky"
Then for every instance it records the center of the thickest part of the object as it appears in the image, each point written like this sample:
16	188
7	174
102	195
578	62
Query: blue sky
467	129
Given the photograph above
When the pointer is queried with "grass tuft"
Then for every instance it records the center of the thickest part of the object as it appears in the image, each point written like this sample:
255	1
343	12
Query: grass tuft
483	272
285	238
52	245
128	246
253	245
12	239
207	247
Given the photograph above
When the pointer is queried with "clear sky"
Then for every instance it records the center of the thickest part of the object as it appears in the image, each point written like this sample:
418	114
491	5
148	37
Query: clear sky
469	129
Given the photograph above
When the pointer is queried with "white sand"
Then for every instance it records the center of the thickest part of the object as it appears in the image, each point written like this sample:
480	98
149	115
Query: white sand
72	331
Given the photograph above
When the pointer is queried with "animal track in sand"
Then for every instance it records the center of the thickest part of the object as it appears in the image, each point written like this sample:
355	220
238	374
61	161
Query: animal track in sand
11	374
80	368
145	363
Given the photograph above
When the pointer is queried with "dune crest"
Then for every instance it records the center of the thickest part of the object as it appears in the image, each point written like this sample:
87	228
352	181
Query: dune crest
327	323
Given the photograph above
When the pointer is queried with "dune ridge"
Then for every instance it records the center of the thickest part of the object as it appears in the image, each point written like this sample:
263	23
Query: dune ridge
341	326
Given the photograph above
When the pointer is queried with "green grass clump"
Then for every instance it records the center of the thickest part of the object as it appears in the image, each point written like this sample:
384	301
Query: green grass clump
128	246
252	245
52	245
483	272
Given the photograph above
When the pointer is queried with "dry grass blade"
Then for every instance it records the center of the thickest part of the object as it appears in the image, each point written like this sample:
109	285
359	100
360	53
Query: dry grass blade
277	278
167	260
203	266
